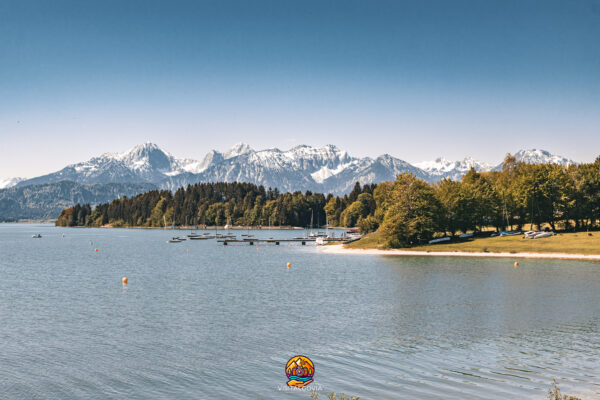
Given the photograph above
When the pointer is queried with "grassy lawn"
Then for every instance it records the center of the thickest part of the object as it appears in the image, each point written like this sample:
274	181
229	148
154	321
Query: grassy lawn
570	243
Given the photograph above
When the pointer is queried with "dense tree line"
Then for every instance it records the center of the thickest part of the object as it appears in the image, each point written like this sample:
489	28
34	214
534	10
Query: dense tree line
212	204
79	215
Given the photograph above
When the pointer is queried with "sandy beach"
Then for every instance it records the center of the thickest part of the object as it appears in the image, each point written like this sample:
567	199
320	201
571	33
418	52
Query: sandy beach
340	249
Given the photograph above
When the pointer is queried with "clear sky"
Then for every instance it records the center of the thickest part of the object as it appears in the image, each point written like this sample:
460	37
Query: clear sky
415	79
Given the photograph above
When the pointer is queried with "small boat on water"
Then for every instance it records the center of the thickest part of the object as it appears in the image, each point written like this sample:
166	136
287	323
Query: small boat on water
317	234
221	236
175	240
195	236
321	240
199	237
36	236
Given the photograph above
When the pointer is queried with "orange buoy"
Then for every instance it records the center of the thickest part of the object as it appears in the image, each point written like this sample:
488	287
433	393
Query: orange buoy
516	264
289	265
124	280
95	250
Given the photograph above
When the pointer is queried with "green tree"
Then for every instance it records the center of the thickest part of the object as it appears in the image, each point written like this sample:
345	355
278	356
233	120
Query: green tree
411	212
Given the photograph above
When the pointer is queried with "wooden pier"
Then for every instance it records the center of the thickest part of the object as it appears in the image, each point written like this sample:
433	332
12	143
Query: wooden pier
276	242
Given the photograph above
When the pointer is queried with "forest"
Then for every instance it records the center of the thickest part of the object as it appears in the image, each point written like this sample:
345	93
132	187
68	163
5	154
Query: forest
406	211
209	204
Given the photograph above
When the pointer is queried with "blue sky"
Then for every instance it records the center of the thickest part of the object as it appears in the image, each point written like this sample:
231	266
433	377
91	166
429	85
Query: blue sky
415	79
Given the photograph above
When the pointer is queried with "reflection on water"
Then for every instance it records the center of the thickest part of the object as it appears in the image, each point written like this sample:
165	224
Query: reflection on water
221	322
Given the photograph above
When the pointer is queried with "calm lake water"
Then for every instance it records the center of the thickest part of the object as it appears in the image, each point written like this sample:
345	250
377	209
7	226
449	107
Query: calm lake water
220	322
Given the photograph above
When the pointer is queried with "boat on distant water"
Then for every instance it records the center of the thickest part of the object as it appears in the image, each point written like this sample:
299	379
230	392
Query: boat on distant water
325	239
317	234
175	240
221	236
199	237
196	236
36	236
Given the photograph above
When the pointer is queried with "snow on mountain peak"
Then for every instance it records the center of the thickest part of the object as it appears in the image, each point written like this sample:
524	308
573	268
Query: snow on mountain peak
9	182
237	150
539	156
326	169
442	168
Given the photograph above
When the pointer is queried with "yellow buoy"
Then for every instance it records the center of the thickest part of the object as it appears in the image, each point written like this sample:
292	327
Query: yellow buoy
124	280
516	264
289	265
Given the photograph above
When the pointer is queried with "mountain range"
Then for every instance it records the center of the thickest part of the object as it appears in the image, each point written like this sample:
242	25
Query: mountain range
324	169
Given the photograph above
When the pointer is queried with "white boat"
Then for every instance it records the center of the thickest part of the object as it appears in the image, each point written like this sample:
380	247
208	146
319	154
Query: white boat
174	240
36	236
544	234
199	237
444	239
510	233
317	234
538	235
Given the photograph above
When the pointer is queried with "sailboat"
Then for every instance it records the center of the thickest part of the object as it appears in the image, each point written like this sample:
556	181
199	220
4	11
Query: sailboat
316	234
321	240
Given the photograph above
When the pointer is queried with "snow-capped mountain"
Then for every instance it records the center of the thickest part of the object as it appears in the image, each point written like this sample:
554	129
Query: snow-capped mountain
441	168
324	169
9	182
145	163
537	156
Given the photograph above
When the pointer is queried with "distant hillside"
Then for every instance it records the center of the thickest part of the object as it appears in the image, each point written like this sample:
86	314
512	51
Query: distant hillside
46	201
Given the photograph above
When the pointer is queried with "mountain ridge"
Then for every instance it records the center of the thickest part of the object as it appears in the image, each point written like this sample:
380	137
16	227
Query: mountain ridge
326	169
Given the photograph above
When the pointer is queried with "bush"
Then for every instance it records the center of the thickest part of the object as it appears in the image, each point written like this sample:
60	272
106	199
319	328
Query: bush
555	394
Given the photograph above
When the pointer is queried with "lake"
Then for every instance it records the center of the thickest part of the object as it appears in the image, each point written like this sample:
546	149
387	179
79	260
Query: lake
199	320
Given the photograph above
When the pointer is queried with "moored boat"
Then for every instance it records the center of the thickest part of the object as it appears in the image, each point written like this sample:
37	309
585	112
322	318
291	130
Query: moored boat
538	235
443	239
510	233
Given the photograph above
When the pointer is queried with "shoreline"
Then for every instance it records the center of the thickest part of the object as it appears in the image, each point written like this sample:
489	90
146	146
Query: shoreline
339	249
